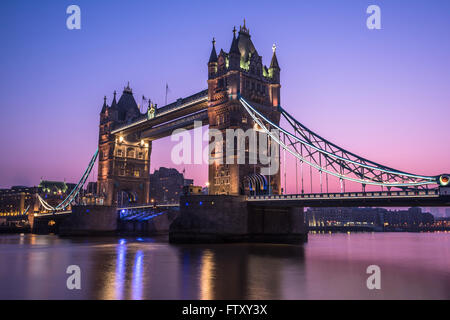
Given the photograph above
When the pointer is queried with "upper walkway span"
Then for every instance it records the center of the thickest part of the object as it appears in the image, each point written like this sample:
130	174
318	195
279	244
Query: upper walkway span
180	111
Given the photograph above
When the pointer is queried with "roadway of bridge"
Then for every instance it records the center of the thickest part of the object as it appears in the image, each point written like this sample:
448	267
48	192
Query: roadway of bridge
425	198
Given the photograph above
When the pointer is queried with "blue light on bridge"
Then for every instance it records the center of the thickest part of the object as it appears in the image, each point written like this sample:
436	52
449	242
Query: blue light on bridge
187	204
122	241
201	202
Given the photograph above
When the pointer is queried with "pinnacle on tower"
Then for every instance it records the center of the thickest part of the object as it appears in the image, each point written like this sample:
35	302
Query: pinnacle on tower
234	44
213	56
114	102
244	29
127	89
105	106
274	62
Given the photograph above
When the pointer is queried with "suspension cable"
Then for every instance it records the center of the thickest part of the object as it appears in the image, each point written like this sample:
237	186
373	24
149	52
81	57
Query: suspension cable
75	191
253	112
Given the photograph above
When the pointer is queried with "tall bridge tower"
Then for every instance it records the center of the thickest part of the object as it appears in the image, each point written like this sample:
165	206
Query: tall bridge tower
124	161
241	72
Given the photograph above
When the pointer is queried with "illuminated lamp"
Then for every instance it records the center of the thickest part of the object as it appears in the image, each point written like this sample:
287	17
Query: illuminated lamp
444	180
120	139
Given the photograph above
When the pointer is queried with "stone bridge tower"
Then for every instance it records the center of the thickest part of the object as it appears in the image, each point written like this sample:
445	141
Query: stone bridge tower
241	72
123	162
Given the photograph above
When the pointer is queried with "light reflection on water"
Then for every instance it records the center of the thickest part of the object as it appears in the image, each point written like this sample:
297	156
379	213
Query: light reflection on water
328	266
137	276
120	270
207	275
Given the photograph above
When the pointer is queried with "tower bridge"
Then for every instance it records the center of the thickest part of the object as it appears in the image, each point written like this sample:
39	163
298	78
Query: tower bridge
243	93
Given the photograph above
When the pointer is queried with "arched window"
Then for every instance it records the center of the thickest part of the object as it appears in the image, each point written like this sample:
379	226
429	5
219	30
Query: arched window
130	153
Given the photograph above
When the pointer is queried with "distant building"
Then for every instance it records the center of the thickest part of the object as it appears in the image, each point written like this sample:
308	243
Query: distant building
166	185
55	187
191	189
434	212
413	217
442	224
321	217
54	192
91	188
375	218
20	201
17	202
447	212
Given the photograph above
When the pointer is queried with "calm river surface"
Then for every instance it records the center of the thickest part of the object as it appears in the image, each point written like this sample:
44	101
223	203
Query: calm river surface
329	266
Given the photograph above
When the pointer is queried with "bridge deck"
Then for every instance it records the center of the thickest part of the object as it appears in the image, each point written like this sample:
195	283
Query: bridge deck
356	199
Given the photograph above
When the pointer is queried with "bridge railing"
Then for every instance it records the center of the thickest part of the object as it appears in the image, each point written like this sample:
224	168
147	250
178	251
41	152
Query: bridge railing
150	205
355	195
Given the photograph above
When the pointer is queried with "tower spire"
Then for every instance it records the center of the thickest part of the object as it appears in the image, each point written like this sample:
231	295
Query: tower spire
213	56
114	102
127	89
274	63
105	106
244	29
234	44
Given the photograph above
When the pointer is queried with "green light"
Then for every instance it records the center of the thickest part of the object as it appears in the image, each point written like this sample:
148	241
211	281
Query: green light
245	64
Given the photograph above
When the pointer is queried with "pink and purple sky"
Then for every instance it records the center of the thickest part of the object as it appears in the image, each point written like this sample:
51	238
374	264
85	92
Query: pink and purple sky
382	94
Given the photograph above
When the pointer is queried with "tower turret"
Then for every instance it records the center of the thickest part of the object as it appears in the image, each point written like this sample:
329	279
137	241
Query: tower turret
235	54
212	63
274	70
274	74
105	106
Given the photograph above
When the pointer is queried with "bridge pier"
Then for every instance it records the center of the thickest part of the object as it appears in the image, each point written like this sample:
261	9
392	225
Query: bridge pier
277	224
225	218
90	220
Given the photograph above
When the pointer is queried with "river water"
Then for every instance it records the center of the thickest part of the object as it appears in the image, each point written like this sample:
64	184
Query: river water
329	266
